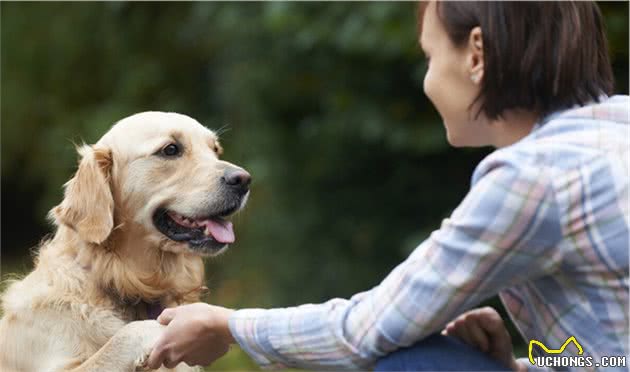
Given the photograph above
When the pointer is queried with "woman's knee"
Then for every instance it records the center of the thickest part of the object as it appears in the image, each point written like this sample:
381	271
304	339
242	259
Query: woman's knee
438	353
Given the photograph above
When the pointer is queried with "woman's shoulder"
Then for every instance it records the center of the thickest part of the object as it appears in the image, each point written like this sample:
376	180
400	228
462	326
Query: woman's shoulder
607	116
511	162
589	144
569	139
611	110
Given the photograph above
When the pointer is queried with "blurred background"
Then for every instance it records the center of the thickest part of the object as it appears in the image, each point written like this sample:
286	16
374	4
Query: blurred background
321	102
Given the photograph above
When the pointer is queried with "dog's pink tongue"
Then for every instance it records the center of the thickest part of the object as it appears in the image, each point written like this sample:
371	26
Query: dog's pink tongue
221	231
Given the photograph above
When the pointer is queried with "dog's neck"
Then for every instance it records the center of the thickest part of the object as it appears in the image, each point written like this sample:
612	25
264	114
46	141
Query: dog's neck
131	269
135	308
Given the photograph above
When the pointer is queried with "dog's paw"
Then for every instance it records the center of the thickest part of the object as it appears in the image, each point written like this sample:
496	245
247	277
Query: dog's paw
143	336
141	366
141	363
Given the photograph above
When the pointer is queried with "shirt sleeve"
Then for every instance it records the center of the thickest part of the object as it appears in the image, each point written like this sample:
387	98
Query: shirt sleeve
503	233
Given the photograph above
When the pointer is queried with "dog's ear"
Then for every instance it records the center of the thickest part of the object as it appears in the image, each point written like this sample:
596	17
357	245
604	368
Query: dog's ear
88	204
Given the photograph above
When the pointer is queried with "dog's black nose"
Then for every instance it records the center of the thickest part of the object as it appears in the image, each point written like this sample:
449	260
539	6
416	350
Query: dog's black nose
237	179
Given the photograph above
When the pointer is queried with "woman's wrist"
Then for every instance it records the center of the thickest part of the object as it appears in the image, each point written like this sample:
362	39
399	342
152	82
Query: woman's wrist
228	333
218	321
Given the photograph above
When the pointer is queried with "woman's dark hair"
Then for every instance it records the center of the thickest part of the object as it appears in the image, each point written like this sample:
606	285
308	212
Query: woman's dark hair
538	56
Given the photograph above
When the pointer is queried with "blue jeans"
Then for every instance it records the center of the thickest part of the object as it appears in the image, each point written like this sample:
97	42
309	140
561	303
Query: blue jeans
439	353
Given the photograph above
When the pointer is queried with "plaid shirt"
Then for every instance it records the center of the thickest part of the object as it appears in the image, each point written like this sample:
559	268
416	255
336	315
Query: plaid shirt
545	224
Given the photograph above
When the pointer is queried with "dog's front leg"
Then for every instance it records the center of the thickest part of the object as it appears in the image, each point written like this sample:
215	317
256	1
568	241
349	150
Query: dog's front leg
126	350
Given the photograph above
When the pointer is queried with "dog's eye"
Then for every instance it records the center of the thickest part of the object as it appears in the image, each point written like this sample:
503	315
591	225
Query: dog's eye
171	150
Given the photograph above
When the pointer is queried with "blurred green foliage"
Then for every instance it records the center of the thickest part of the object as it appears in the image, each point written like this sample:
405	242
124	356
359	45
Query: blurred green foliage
321	102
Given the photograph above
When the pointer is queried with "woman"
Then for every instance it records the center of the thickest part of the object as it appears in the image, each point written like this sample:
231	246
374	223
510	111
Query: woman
545	223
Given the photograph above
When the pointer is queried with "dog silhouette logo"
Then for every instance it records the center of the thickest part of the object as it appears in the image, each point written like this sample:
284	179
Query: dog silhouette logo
553	351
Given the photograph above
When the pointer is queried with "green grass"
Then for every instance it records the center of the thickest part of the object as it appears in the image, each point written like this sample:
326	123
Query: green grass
235	360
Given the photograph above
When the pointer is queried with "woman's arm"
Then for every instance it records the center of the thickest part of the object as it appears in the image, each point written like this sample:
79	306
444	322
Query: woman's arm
503	233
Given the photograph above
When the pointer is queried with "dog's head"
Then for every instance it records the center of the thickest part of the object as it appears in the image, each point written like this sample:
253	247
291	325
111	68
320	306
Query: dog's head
156	177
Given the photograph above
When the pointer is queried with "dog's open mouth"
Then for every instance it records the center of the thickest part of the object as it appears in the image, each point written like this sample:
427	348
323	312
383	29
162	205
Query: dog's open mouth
207	233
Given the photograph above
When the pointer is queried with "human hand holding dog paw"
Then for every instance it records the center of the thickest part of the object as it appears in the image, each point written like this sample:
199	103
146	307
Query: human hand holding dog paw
197	334
484	329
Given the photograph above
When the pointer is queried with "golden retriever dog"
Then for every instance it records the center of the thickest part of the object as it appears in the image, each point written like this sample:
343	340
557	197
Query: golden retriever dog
148	201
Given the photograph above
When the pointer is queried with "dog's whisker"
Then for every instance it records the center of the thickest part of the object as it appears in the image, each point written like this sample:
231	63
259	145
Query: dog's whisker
223	129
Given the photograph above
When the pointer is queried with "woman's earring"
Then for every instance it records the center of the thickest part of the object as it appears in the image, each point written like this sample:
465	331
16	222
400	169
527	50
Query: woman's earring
475	78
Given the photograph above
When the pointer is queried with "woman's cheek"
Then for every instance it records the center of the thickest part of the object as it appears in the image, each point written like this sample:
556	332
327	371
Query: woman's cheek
432	90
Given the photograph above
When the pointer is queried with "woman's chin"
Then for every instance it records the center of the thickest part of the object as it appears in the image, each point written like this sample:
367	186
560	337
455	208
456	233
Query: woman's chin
462	140
456	141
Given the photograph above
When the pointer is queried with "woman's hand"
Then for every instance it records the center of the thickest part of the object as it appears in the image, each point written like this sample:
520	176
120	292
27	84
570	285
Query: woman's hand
197	334
484	329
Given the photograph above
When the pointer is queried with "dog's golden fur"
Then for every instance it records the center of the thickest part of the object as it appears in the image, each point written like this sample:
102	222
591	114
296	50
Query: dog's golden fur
83	306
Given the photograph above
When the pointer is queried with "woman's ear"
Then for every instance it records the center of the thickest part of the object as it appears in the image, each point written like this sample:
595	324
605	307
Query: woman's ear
88	204
475	55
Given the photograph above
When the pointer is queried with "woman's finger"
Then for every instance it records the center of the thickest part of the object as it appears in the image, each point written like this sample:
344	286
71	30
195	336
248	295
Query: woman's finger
166	316
460	330
476	333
